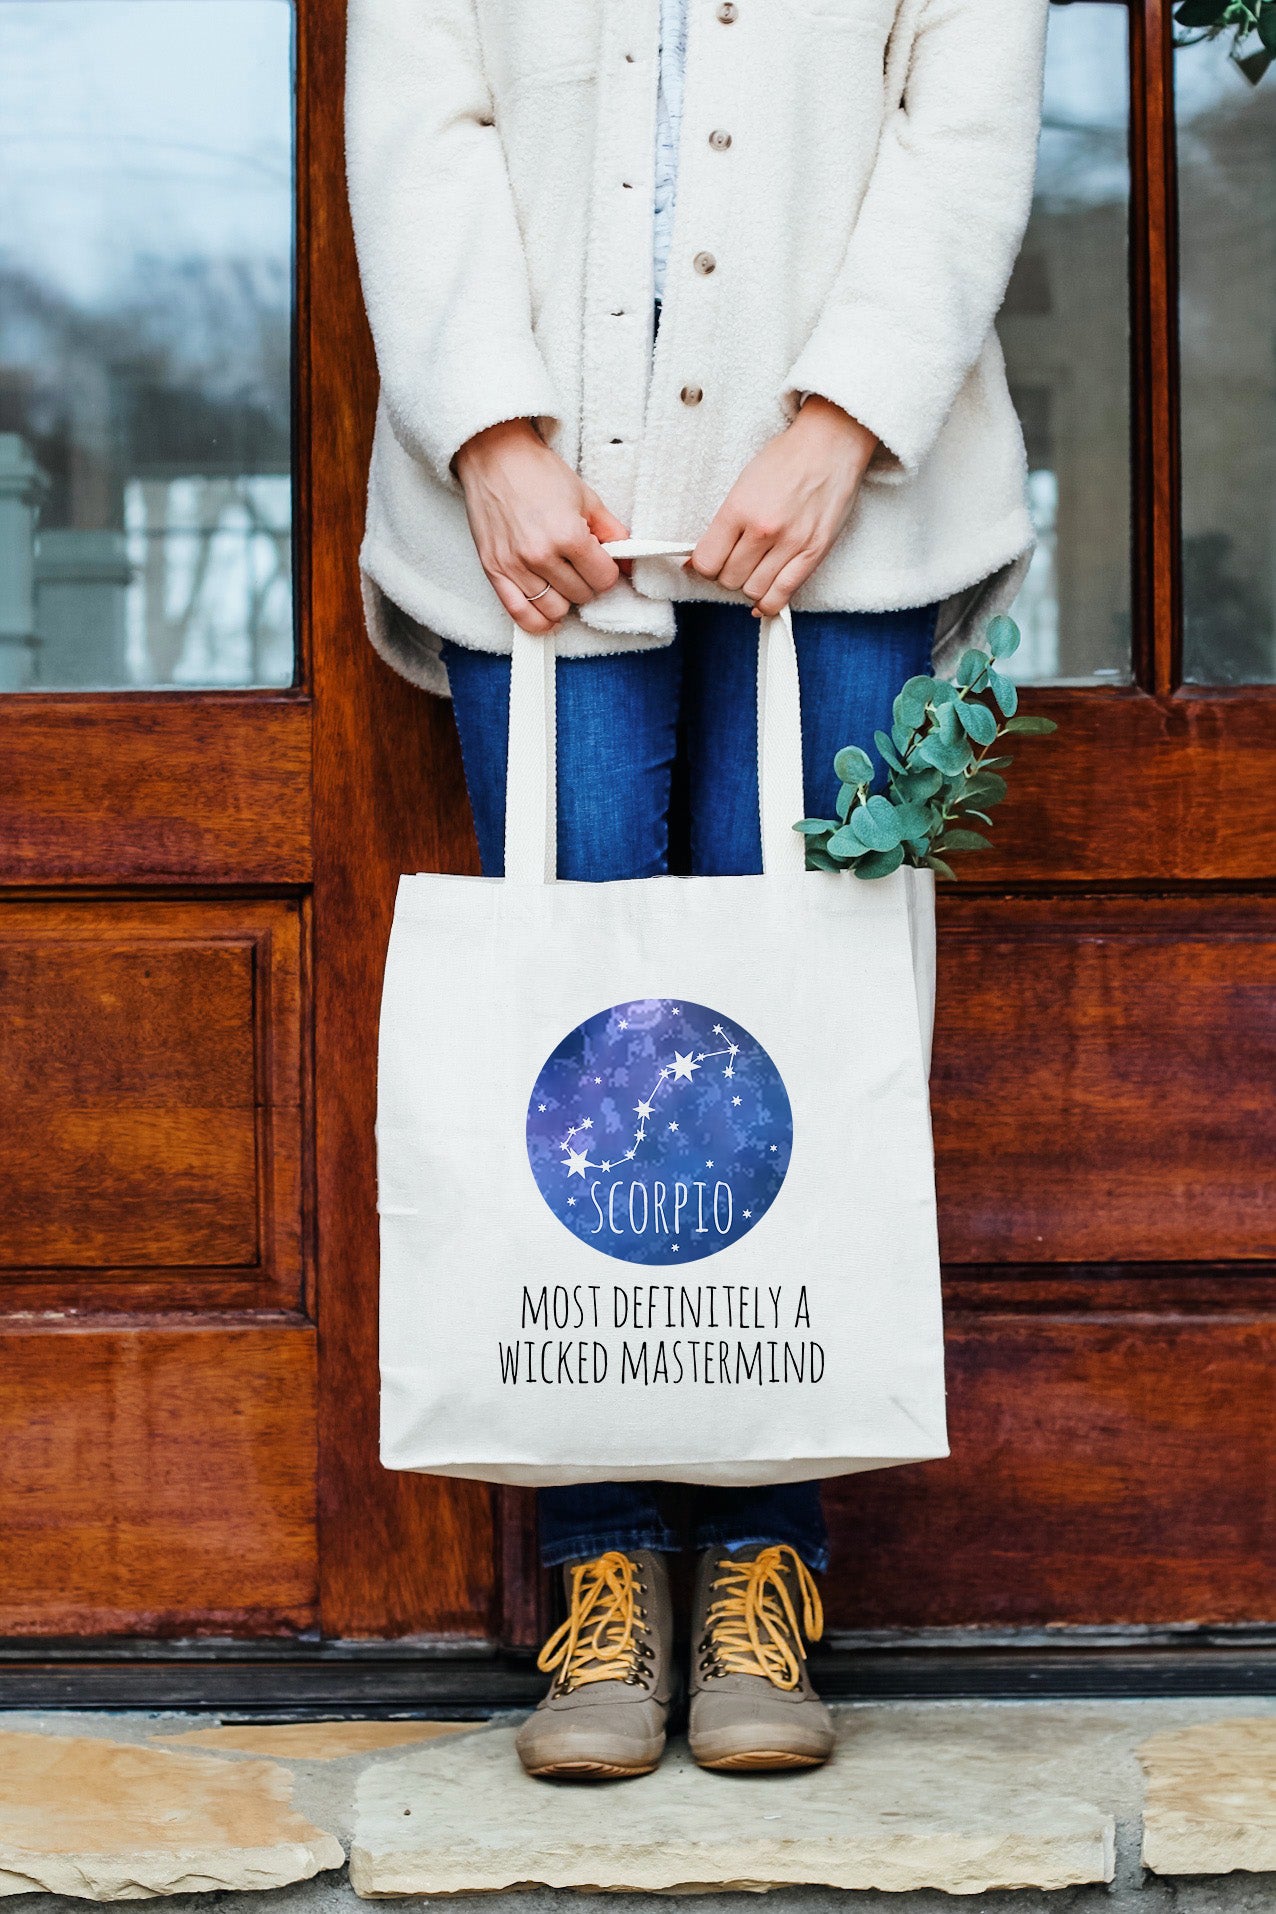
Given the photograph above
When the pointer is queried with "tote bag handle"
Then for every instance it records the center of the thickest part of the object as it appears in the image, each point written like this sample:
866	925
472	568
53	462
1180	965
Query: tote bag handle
531	811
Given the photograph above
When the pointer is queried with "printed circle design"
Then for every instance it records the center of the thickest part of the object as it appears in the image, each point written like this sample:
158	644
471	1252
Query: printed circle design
659	1132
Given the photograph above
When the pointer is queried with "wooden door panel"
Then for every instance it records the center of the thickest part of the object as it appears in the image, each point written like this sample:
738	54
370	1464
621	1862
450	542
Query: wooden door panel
1102	1081
161	787
1137	789
1114	1470
150	1129
157	1479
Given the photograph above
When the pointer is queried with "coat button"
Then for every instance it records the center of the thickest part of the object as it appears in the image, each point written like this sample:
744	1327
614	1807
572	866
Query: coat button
704	262
719	141
691	395
727	12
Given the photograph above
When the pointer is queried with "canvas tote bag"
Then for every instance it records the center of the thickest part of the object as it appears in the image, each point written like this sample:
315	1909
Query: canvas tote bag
656	1182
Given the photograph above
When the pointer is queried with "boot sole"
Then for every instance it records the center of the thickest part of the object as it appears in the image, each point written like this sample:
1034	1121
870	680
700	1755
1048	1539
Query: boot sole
590	1770
761	1760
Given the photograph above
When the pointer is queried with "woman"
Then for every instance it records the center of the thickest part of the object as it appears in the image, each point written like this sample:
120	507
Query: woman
810	210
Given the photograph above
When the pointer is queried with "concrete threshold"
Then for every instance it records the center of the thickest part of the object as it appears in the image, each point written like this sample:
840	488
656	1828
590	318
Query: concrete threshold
1007	1805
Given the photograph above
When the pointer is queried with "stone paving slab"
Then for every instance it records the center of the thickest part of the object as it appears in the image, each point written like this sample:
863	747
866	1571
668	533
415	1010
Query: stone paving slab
313	1740
913	1798
1210	1804
109	1822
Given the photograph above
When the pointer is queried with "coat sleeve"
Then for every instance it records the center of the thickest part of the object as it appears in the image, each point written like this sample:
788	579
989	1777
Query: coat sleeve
942	220
440	254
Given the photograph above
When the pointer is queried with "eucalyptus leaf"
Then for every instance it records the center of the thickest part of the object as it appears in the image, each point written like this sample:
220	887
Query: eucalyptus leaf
948	758
912	820
972	667
1003	690
938	865
880	863
875	825
845	843
853	766
815	826
962	841
818	860
977	720
1029	725
912	700
1003	636
846	796
986	787
887	750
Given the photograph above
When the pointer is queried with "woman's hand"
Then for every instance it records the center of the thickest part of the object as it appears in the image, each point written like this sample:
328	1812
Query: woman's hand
787	507
535	523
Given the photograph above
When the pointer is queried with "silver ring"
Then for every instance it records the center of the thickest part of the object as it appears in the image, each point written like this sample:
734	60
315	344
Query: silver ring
537	594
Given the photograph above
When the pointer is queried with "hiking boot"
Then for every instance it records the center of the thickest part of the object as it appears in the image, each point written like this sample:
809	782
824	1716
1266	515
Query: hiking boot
752	1703
612	1663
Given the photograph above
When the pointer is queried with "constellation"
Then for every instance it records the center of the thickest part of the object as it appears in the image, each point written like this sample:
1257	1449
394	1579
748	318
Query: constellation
576	1161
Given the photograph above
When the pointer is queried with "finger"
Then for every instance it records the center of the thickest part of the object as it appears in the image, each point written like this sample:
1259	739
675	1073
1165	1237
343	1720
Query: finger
605	525
748	553
768	569
530	617
716	544
597	567
543	566
789	579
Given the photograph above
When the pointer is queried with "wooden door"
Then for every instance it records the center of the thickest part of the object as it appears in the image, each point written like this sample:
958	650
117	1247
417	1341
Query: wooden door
1106	1035
209	787
198	883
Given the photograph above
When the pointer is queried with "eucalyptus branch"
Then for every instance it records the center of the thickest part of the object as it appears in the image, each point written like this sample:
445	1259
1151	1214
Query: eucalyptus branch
940	771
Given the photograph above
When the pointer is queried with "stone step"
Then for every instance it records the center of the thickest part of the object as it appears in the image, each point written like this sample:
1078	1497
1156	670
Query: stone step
1041	1804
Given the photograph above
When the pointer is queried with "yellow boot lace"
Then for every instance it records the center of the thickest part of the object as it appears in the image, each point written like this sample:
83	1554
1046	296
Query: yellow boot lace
752	1628
603	1638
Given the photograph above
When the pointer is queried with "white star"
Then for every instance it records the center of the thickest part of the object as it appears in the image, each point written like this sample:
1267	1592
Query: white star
748	1213
709	1164
664	1073
577	1161
623	1025
675	1012
718	1031
700	1056
571	1202
606	1166
644	1109
773	1149
728	1072
597	1079
629	1155
734	1102
683	1066
673	1126
540	1106
588	1124
675	1247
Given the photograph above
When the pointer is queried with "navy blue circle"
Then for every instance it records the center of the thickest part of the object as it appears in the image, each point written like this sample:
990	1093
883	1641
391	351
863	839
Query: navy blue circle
659	1131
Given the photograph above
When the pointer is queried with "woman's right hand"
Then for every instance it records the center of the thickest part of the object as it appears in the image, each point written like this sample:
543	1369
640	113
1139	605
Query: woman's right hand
535	523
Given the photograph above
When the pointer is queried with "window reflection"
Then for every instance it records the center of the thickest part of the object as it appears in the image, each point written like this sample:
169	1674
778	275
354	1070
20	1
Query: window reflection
1227	328
145	338
1065	330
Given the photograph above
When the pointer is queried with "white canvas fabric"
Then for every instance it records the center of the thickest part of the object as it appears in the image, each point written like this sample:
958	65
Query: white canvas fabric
655	1170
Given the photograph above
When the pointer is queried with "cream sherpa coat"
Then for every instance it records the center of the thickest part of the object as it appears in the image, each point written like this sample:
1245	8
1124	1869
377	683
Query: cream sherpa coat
853	238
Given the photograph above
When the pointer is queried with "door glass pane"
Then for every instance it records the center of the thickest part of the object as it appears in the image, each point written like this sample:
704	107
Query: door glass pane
1227	328
145	343
1065	330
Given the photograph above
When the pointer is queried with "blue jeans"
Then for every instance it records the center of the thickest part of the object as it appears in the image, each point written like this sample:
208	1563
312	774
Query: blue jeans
622	722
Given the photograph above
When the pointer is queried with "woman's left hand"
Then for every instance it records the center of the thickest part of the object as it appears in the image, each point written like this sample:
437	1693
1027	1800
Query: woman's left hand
787	507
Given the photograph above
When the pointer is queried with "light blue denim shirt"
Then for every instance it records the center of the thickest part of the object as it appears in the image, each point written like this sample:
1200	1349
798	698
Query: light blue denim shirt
673	60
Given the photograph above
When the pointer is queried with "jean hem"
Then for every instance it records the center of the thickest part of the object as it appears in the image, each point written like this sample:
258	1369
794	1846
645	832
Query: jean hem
584	1548
816	1558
